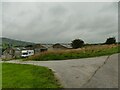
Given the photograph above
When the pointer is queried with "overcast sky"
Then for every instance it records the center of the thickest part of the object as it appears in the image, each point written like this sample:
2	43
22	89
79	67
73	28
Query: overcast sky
60	22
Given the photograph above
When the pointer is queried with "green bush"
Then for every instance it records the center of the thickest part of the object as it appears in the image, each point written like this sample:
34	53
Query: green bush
77	43
110	40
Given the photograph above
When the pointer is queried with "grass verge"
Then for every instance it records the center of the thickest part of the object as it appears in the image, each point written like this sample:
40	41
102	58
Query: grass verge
85	52
27	76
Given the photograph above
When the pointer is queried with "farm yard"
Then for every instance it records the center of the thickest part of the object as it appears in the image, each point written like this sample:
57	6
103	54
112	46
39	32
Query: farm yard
71	73
84	52
59	44
61	51
30	76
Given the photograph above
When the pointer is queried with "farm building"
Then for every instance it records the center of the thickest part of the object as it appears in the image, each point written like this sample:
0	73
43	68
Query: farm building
10	53
37	48
61	46
48	46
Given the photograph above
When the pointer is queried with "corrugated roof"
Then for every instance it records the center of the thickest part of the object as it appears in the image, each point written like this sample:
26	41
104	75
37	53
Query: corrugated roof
64	45
47	45
67	45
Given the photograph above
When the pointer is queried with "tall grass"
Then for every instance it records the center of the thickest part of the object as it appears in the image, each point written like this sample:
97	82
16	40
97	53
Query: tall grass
85	52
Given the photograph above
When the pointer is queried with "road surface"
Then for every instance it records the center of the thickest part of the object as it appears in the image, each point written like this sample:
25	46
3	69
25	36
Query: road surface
97	72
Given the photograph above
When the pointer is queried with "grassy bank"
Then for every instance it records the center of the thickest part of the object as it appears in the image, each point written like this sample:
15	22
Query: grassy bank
27	76
85	52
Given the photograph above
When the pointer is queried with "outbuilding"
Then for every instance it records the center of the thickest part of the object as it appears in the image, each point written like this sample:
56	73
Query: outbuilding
61	46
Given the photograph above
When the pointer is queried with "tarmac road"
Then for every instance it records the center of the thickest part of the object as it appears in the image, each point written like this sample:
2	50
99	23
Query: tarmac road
98	72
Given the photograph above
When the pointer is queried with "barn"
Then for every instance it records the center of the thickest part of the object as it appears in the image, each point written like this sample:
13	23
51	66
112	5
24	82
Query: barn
37	48
10	53
59	46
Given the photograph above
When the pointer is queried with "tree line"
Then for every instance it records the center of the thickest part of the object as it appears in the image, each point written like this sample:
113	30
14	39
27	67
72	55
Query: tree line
78	43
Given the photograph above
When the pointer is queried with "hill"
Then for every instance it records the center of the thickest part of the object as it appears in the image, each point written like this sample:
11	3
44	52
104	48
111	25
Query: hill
11	42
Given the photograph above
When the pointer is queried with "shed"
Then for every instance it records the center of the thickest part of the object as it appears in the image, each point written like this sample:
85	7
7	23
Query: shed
61	46
37	48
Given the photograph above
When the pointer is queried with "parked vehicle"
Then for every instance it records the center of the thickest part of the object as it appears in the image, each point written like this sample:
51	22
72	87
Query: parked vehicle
27	53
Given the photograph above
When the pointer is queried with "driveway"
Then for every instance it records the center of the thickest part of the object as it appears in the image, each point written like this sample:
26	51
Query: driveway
98	72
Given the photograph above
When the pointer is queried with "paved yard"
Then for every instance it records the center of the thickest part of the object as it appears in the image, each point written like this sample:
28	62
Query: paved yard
98	72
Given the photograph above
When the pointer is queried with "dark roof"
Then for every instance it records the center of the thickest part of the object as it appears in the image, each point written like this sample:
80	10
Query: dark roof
35	46
38	46
63	45
47	45
67	45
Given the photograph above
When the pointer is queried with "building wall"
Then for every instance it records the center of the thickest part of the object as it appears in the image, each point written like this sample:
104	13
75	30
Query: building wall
38	50
11	53
17	54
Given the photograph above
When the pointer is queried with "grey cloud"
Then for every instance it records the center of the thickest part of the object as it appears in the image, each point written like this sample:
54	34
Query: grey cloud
58	10
60	22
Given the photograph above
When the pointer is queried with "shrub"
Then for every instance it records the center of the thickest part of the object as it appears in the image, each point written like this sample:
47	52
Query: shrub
77	43
110	40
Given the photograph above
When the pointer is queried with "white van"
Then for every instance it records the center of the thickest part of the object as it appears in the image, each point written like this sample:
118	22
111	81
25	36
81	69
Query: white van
27	53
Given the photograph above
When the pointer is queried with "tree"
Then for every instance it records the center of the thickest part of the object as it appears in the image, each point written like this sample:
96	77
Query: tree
77	43
110	40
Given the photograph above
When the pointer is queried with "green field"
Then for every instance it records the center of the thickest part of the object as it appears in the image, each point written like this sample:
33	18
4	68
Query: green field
85	52
27	76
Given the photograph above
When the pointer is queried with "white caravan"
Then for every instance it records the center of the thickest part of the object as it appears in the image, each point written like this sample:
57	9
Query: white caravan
27	53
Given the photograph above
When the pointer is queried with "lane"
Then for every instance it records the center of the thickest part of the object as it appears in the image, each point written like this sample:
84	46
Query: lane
75	73
107	76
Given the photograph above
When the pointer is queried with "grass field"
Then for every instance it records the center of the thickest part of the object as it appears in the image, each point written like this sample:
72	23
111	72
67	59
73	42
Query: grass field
27	76
85	52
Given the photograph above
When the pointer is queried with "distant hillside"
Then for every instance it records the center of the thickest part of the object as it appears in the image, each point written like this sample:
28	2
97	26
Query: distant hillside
12	42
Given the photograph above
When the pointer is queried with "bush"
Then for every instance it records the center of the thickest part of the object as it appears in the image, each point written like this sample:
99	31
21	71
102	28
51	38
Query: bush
77	43
110	40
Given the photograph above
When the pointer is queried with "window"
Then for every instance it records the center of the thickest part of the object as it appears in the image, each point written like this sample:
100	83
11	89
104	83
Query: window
25	53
